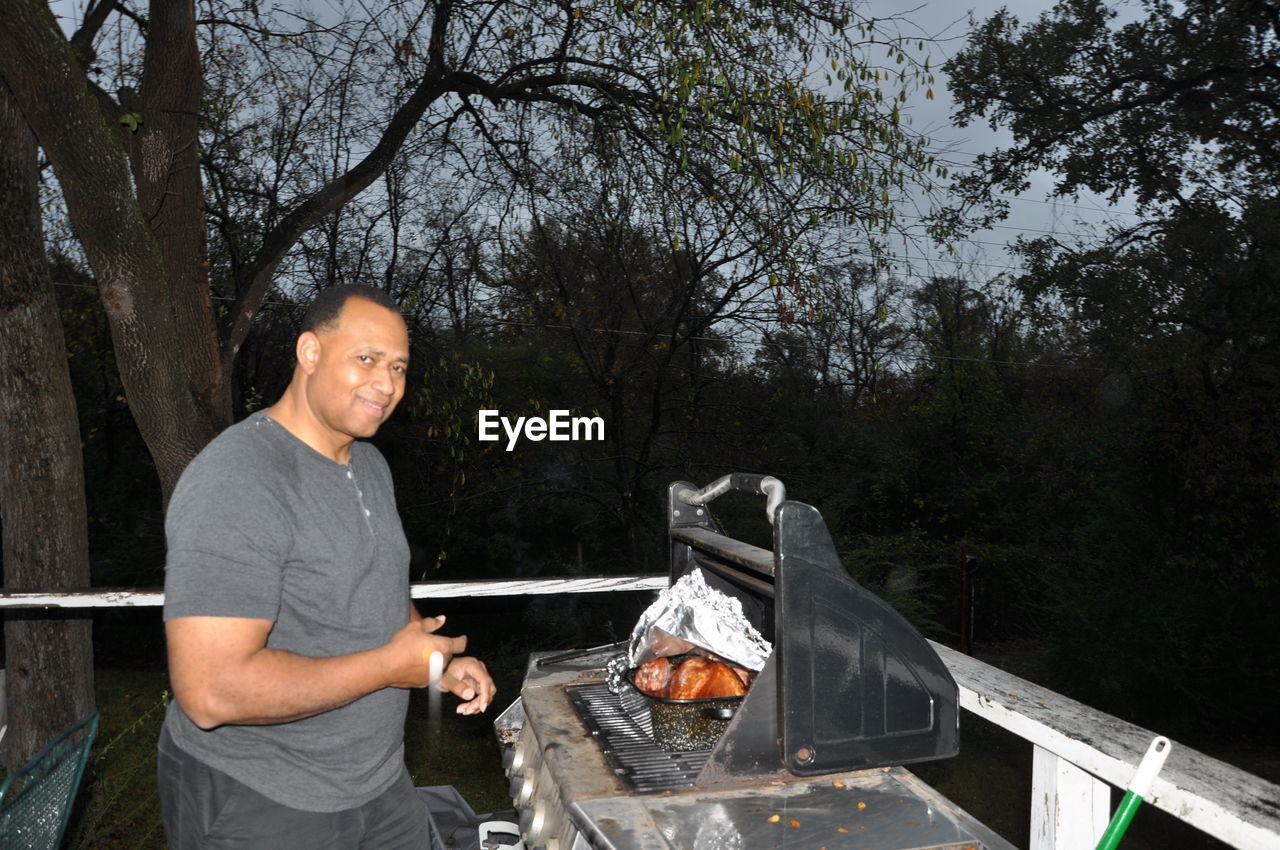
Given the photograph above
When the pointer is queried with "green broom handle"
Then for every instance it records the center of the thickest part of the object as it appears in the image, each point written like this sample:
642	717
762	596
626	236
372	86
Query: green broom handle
1138	788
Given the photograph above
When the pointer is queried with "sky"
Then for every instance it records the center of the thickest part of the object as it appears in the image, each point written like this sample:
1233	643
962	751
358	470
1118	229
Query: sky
944	25
1032	213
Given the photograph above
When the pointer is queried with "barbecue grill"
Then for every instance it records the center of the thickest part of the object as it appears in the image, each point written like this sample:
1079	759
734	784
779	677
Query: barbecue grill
812	758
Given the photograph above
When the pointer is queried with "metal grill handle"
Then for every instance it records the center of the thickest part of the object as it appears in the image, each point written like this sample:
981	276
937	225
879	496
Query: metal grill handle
747	482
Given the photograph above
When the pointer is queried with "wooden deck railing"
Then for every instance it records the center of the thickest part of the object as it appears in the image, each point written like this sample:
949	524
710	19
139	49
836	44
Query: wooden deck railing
1079	752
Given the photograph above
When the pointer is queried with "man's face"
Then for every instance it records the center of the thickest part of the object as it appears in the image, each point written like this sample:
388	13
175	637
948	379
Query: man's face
358	369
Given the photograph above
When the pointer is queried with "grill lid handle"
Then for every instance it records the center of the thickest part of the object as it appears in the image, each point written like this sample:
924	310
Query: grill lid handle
746	482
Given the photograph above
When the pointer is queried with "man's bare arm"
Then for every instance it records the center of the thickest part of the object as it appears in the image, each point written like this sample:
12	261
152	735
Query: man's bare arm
223	672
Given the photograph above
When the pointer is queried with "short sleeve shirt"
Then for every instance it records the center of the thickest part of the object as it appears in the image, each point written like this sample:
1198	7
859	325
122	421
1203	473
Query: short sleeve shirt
263	526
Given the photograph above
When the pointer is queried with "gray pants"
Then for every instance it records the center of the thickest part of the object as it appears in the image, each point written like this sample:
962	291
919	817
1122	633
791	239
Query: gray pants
205	809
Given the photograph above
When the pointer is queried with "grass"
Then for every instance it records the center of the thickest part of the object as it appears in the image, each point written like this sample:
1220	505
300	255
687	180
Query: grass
990	778
120	807
458	751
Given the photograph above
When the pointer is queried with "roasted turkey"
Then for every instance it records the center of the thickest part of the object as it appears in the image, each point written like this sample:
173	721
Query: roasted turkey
693	678
652	676
702	678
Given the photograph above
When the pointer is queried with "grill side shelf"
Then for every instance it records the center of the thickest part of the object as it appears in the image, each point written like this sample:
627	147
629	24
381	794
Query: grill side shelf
629	750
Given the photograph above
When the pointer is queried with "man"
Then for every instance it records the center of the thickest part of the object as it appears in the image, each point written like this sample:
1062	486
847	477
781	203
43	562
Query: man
292	637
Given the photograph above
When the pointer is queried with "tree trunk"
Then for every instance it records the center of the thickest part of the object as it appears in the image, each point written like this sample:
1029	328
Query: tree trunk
166	169
93	169
48	657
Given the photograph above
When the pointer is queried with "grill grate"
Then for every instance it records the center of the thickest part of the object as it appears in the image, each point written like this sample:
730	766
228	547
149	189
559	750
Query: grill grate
629	746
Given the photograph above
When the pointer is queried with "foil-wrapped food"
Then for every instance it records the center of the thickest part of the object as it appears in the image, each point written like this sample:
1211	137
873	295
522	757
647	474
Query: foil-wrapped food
722	650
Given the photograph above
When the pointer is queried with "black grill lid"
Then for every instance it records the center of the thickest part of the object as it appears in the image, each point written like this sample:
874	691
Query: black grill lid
860	687
850	684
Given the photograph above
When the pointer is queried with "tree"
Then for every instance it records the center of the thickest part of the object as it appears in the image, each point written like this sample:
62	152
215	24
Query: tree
724	91
847	341
1182	102
625	325
42	500
1175	110
1189	314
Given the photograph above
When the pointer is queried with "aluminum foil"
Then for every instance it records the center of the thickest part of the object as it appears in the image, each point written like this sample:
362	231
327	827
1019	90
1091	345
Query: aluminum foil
615	673
690	615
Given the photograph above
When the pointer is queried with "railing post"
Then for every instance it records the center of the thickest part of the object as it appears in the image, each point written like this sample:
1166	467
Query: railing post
1069	807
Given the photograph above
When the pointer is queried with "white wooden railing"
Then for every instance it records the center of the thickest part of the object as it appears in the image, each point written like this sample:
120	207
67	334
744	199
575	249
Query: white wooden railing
1079	752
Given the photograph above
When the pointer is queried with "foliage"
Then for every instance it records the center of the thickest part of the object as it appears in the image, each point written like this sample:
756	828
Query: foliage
1124	640
203	161
890	569
1171	108
1175	512
1180	103
764	125
438	454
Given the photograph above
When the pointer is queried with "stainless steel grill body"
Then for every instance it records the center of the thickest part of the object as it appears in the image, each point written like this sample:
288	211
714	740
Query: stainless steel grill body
572	795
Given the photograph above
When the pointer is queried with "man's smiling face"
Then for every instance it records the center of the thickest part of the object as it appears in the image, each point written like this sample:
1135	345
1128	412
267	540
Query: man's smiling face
358	372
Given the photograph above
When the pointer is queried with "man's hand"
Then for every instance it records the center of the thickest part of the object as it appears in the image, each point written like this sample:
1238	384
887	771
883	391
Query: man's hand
469	680
466	678
411	649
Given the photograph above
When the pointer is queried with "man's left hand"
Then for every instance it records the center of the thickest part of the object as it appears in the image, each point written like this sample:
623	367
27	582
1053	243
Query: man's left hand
468	679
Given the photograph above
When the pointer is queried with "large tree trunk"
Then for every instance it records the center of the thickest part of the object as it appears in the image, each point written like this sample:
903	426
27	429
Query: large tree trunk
92	164
48	658
166	169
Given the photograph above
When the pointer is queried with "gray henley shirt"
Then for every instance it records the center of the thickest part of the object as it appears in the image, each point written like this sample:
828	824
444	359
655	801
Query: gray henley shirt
263	526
